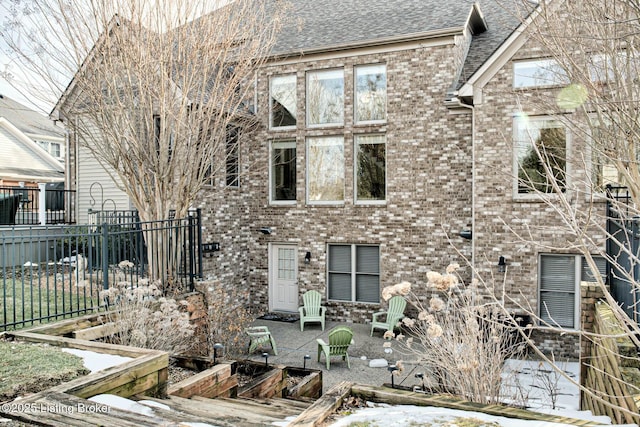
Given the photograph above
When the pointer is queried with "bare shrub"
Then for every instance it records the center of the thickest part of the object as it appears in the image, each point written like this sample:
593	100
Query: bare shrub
462	342
228	315
141	317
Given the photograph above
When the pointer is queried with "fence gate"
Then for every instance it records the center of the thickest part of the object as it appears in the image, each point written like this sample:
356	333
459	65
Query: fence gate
623	246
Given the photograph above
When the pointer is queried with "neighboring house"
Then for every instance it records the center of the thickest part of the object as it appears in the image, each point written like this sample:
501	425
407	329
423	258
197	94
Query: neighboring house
387	141
23	133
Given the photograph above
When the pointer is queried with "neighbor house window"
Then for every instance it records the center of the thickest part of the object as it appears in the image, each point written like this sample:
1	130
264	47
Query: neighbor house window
283	171
370	168
540	147
559	284
325	169
538	72
232	159
371	93
282	101
354	273
325	97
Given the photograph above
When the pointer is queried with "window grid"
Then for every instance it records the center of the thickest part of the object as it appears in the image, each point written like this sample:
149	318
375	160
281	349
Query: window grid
353	273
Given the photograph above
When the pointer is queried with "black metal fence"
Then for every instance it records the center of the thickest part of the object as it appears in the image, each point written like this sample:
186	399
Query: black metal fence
623	246
42	205
51	273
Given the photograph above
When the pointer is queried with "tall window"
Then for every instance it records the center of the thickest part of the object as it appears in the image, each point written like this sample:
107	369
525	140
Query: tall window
232	159
283	171
325	169
282	101
354	273
371	93
560	277
370	168
538	72
540	147
325	97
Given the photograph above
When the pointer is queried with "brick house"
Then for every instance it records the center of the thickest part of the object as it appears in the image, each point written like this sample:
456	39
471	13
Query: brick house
386	149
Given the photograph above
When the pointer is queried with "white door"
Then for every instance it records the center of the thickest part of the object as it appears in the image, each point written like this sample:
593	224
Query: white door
283	278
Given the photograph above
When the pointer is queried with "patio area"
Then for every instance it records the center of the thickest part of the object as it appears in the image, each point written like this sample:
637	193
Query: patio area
293	345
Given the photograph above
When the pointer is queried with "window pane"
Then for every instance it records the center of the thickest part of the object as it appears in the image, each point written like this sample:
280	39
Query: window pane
283	170
603	170
367	288
325	97
232	159
557	289
371	93
283	101
340	286
371	167
325	169
340	258
586	274
557	308
368	259
538	141
546	72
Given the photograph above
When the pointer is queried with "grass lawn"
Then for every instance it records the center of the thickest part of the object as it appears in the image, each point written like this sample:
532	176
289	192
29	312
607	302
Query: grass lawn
29	368
47	300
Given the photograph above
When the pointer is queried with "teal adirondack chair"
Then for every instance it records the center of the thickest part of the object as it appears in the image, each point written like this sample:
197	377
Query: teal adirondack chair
339	341
392	316
259	336
311	311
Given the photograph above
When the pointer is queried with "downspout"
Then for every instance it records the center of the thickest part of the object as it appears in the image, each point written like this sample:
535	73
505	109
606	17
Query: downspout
456	102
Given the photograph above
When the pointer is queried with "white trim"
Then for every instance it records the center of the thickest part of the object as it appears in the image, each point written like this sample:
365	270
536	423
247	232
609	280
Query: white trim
474	85
43	154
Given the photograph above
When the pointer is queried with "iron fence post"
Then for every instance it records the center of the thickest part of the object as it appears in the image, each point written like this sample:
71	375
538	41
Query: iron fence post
105	256
199	242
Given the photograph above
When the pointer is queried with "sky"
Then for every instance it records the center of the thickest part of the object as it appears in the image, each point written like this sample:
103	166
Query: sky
8	65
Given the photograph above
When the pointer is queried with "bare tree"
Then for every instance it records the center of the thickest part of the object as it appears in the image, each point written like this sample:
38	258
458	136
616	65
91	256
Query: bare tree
589	83
157	87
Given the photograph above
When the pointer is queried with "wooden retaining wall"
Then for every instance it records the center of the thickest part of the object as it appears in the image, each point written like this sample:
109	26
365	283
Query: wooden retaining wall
611	370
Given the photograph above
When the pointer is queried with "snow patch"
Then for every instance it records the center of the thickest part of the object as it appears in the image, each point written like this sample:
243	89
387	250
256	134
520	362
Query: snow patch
97	361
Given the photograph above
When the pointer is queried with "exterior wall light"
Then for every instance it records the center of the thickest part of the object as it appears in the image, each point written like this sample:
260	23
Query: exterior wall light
502	264
307	258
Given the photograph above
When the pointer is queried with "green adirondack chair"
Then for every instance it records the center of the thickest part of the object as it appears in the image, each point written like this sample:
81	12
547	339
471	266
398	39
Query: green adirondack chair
339	341
259	336
311	311
392	316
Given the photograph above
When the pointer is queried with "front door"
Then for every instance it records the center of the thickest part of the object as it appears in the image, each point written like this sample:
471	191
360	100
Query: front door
283	278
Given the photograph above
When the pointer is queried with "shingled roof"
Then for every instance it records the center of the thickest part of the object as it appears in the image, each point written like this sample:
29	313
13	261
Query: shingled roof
322	25
27	120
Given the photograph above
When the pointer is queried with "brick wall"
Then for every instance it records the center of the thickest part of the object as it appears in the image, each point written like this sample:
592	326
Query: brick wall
428	183
522	228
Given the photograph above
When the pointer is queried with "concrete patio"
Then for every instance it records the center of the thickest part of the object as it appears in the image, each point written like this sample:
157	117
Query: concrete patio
293	345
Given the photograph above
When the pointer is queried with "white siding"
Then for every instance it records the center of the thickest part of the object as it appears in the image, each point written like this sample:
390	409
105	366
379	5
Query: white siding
105	194
14	153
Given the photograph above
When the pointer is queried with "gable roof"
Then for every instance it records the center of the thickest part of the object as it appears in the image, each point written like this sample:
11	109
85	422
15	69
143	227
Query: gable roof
23	160
27	120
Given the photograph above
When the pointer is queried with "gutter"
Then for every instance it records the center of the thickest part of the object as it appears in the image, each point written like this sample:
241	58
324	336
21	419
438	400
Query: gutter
445	32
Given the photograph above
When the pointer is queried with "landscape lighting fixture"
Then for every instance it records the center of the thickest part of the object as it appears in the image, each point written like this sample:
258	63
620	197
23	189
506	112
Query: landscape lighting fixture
266	359
304	361
217	346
